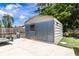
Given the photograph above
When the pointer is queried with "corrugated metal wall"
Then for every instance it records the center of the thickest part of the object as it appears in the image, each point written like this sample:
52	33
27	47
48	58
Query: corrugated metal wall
27	29
48	31
43	32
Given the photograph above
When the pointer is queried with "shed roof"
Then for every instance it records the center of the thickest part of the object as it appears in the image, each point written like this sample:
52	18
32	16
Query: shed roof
40	18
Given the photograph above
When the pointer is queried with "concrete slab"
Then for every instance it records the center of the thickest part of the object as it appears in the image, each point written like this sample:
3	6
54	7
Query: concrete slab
27	47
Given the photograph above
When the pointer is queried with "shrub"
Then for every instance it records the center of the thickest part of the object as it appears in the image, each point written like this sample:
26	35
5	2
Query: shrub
68	34
71	34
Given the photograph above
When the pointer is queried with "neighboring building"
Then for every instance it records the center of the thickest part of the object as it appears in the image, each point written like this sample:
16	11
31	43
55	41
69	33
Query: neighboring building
21	31
44	28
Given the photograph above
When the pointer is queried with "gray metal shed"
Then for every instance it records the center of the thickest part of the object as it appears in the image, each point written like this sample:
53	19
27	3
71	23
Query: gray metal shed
44	28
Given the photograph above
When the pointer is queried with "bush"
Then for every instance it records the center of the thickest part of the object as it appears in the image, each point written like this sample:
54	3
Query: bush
68	34
71	34
76	34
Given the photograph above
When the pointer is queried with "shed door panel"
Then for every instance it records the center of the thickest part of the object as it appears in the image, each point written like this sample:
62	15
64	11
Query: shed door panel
41	32
50	27
45	31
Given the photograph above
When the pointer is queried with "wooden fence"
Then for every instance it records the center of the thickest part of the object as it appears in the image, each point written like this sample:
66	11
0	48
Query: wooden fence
11	31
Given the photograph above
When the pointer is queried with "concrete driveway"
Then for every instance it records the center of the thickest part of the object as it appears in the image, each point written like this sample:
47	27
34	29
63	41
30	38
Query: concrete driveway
28	47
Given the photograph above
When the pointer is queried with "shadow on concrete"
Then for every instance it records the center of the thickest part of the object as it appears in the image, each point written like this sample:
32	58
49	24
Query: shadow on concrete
4	44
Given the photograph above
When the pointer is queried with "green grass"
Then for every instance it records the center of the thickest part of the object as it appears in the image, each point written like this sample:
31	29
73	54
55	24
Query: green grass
71	42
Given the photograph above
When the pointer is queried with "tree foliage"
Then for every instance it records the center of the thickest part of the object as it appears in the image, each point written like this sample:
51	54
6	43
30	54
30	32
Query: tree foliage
7	21
0	24
68	14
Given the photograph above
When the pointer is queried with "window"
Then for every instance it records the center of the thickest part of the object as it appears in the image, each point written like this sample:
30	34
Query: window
57	23
32	27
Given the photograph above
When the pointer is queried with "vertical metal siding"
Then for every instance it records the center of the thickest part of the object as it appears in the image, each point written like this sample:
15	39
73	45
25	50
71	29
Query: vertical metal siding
30	34
48	31
27	29
41	31
44	31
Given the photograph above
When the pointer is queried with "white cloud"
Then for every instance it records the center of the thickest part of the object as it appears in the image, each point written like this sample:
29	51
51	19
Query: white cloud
3	12
12	6
22	17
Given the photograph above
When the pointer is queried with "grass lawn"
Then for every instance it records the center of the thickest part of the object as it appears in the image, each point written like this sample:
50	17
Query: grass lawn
70	42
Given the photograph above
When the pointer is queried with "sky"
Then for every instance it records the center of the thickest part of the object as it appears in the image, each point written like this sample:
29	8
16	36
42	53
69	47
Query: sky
21	12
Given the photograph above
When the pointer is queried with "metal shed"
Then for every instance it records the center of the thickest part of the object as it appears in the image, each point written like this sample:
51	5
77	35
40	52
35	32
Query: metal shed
44	28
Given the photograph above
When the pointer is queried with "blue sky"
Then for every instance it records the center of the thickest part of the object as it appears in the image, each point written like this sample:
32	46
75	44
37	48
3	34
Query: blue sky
20	11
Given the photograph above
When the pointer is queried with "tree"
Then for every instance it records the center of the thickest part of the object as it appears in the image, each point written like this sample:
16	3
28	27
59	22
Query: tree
0	24
7	21
67	14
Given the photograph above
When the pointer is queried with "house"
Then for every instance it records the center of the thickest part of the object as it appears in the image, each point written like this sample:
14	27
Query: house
44	28
20	30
